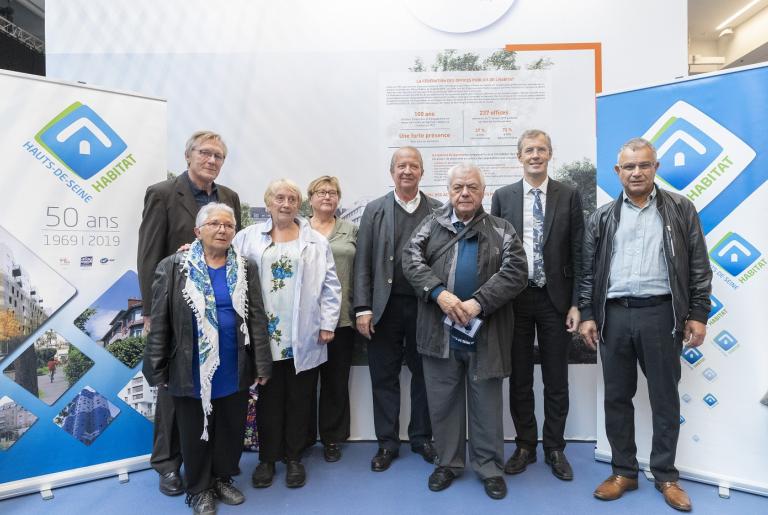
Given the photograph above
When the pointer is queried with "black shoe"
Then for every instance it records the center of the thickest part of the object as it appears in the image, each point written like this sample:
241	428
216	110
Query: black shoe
332	452
426	450
170	483
383	460
202	503
295	476
520	459
226	492
559	463
495	487
440	479
263	474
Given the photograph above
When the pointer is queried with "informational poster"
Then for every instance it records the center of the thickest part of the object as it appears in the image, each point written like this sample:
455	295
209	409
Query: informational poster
709	132
465	116
77	162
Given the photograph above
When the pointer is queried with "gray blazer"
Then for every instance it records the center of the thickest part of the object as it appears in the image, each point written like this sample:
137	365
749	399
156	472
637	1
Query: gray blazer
375	260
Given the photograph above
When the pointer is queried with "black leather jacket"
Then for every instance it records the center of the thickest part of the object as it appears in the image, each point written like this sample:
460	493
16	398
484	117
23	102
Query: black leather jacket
685	252
168	356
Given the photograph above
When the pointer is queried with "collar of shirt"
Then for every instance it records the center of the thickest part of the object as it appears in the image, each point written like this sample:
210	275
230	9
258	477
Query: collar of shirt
195	190
409	205
527	187
628	201
455	218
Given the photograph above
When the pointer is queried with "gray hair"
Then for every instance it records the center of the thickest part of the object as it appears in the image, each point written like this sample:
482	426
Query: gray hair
465	168
636	144
275	185
206	211
530	134
408	147
201	136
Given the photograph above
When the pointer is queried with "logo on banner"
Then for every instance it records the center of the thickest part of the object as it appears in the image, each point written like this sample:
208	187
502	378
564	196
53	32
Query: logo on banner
710	400
86	261
717	311
725	342
682	420
78	144
692	356
698	157
738	257
709	374
82	140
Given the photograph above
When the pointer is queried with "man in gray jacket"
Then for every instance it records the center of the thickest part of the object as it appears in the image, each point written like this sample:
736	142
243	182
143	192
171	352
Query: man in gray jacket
466	267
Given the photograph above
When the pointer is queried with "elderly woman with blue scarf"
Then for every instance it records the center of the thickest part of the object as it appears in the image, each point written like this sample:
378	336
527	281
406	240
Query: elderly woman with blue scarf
207	345
302	297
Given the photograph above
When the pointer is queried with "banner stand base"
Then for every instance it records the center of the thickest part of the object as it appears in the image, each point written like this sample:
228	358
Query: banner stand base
724	492
45	484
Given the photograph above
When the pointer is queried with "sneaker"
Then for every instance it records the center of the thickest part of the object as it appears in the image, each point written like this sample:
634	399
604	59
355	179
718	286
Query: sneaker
226	492
202	503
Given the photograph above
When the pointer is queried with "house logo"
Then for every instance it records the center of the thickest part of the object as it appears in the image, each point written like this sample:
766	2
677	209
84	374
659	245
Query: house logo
716	306
692	356
725	341
710	400
698	157
709	374
734	254
81	140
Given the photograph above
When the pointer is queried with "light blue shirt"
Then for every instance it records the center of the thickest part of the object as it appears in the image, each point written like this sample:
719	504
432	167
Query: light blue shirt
638	268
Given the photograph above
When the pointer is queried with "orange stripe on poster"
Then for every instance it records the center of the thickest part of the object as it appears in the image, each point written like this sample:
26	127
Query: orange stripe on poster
595	47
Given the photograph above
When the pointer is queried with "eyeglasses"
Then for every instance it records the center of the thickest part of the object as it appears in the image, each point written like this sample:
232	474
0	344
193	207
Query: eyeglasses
327	193
207	154
282	199
219	225
644	166
472	188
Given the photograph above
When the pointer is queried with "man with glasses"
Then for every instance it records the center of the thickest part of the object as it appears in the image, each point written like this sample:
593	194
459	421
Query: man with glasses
385	307
547	215
644	294
168	222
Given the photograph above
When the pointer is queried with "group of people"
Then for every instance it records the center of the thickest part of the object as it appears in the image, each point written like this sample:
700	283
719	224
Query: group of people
457	293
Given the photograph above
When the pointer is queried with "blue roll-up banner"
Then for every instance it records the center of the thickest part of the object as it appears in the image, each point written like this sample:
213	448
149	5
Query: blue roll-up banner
710	133
73	405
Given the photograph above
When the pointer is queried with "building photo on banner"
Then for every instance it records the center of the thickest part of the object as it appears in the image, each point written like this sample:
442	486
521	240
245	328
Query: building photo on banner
709	132
81	157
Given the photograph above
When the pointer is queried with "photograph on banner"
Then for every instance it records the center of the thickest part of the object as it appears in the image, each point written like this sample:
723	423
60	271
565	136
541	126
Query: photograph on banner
114	320
87	415
14	422
709	136
49	367
139	396
32	292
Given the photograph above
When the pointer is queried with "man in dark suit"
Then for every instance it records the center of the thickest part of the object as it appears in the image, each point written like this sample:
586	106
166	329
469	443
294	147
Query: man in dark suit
386	305
548	216
168	222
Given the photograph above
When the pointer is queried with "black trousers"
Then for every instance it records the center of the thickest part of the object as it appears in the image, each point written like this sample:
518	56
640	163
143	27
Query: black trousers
535	315
284	412
333	417
217	457
166	451
644	336
395	338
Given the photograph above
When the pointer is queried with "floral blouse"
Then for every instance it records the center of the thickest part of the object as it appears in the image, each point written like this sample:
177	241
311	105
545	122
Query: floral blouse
279	264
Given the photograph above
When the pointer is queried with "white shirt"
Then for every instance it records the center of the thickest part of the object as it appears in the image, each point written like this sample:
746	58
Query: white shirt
410	206
528	199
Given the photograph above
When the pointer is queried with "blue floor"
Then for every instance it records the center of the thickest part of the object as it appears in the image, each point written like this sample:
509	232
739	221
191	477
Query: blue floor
349	487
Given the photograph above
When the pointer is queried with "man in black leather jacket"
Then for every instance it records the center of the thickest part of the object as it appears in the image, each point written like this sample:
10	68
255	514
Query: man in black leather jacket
644	292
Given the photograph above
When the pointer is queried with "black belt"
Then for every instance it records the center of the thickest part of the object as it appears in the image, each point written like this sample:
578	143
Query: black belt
532	284
641	302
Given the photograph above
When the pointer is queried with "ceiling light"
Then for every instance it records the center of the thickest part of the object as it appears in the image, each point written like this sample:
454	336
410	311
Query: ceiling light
726	32
737	14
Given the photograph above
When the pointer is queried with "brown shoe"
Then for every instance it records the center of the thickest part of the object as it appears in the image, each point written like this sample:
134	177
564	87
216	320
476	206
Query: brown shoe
614	487
674	495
